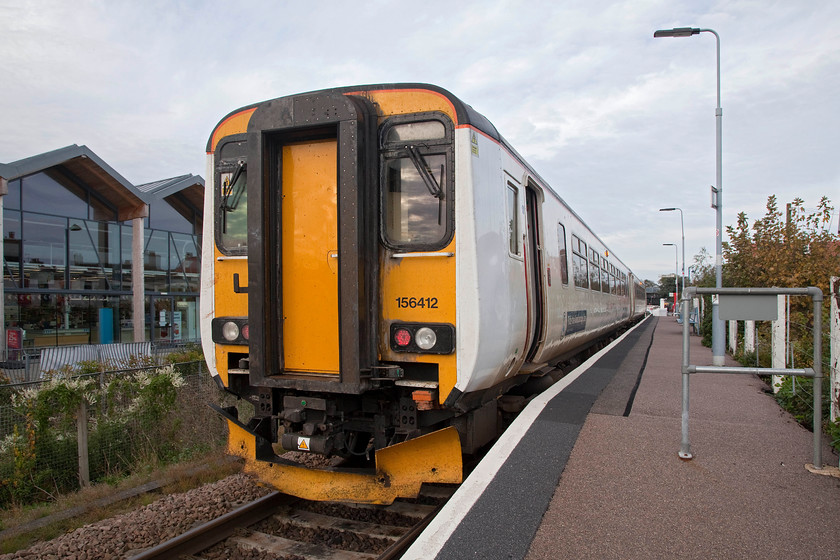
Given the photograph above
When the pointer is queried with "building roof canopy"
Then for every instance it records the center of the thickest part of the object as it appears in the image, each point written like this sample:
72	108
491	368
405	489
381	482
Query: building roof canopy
83	164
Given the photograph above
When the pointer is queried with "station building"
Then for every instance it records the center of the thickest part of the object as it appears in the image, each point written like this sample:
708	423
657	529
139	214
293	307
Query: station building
75	231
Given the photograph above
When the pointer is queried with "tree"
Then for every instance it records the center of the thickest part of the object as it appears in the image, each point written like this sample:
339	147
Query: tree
791	249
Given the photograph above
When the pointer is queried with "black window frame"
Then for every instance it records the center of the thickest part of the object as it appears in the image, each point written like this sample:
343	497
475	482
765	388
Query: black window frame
392	150
221	166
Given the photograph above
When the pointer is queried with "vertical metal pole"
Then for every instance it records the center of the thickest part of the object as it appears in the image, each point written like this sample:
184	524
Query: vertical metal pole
685	446
82	444
818	377
138	273
4	189
717	323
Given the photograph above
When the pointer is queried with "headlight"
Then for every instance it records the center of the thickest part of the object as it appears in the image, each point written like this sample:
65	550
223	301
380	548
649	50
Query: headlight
425	338
230	331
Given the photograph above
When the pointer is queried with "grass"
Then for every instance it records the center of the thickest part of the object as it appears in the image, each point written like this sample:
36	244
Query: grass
176	479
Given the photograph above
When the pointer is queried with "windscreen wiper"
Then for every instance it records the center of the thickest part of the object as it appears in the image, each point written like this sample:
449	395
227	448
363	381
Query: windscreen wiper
425	172
233	192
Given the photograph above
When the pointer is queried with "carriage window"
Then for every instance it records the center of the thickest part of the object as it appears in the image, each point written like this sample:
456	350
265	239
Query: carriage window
605	275
416	184
594	271
513	219
564	265
580	266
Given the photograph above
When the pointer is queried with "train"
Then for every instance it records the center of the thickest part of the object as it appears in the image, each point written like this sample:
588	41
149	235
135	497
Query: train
380	268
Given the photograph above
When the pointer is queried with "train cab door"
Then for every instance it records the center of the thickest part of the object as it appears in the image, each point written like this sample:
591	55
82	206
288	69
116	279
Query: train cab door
312	241
534	270
309	267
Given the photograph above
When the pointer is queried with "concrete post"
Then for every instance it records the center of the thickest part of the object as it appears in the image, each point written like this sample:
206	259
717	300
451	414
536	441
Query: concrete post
733	336
138	284
778	347
749	336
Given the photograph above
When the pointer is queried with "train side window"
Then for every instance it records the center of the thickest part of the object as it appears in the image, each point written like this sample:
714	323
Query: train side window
594	270
512	204
417	181
580	266
605	276
564	264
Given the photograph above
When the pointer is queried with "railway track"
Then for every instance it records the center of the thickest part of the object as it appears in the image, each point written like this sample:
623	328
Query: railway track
282	527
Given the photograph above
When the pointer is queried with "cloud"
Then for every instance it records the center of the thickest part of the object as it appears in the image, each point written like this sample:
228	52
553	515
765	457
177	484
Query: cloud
618	122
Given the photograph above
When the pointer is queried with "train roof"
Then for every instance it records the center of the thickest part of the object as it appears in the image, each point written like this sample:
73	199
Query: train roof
464	113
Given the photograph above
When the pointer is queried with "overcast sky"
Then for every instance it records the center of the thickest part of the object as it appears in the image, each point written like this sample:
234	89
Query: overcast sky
619	123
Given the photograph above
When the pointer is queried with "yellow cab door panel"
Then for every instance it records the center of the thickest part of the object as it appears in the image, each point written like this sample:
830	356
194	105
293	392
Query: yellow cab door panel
309	257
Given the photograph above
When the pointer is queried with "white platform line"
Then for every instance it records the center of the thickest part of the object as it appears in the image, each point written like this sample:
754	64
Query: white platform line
430	542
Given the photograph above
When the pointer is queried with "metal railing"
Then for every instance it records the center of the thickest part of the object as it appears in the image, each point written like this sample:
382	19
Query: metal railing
753	312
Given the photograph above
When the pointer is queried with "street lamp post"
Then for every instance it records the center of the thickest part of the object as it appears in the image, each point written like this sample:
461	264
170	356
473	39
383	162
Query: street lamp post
717	324
676	272
682	230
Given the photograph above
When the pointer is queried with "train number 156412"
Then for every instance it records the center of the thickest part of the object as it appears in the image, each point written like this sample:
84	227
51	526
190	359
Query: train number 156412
412	302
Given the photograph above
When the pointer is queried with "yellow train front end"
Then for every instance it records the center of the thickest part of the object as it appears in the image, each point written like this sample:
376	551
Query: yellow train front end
328	288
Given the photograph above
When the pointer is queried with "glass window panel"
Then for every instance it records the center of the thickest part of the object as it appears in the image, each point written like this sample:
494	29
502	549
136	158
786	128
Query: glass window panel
234	220
126	233
187	267
43	193
165	217
156	261
11	248
101	211
44	247
564	264
413	215
513	221
424	130
185	319
12	200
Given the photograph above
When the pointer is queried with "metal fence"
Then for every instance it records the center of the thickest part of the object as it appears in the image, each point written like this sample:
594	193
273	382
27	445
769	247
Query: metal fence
30	364
37	462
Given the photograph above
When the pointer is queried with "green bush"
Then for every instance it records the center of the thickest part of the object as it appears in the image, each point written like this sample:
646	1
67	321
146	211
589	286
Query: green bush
135	424
796	395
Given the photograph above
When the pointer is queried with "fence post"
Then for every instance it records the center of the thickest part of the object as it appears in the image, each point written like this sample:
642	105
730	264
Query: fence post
778	339
835	351
82	428
733	336
749	337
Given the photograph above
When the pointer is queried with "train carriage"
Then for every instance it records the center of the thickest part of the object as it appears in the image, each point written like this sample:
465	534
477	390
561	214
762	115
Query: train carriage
381	266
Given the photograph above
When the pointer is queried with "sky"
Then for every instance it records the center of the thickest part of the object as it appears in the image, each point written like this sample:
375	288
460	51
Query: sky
620	124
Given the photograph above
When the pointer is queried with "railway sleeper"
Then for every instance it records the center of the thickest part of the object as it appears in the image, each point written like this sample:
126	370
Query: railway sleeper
309	520
282	546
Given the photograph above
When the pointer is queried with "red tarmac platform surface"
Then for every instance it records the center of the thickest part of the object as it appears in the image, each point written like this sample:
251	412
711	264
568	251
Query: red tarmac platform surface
625	493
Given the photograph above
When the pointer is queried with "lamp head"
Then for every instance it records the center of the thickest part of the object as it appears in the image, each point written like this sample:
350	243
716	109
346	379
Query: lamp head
677	32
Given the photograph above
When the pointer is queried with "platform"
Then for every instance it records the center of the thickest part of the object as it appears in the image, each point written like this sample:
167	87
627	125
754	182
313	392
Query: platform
590	469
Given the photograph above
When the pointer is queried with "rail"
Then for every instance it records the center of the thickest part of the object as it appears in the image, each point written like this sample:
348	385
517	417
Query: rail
743	309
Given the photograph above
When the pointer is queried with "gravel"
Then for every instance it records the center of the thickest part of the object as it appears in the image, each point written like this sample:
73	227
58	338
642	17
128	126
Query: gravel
130	533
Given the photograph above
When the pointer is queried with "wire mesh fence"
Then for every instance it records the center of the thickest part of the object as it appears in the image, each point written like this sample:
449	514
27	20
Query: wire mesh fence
59	432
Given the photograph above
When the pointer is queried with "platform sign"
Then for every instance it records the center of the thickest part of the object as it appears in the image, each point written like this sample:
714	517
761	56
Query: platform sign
748	308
